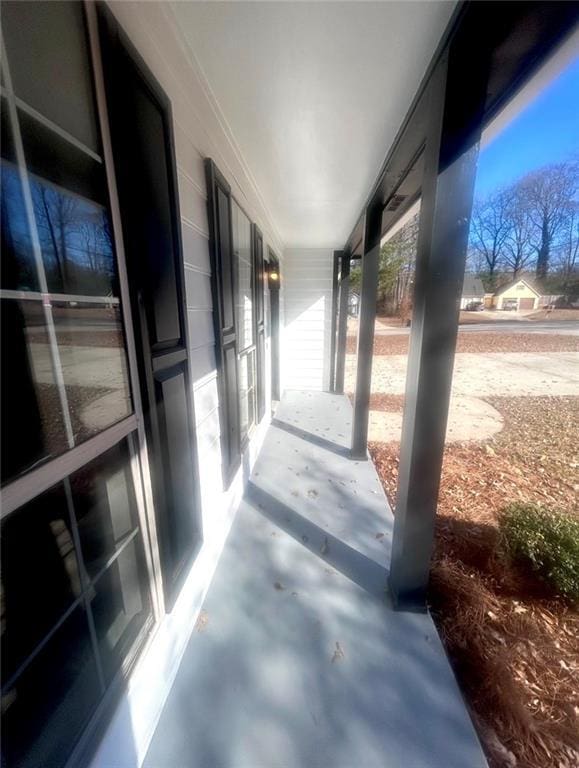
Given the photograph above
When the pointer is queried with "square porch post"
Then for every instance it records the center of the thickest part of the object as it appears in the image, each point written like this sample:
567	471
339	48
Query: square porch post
447	193
366	323
334	322
342	321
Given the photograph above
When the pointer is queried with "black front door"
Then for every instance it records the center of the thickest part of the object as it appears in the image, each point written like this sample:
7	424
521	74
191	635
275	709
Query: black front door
141	132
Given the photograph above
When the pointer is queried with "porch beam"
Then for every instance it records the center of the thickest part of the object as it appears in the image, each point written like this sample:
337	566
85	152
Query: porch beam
447	194
366	323
342	321
334	322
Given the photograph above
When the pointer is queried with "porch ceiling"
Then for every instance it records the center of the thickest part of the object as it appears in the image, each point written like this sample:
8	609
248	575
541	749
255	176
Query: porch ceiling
314	94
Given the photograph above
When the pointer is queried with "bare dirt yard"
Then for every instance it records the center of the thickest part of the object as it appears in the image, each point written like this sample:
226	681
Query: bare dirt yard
514	645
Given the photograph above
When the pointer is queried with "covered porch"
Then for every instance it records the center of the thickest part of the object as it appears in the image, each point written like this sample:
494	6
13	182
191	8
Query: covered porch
297	657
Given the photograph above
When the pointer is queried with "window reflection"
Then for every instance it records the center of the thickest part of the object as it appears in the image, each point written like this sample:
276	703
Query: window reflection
49	590
76	242
104	506
47	707
40	575
120	606
18	267
83	307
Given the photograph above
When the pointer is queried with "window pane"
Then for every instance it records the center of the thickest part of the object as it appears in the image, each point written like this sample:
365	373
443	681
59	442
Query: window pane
104	506
121	605
246	392
37	60
50	703
17	263
40	575
244	301
33	428
75	240
94	364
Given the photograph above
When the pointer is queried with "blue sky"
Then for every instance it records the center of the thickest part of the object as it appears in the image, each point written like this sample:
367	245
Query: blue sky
547	131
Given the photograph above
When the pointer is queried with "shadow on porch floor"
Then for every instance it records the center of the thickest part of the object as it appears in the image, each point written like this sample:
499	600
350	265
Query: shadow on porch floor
300	661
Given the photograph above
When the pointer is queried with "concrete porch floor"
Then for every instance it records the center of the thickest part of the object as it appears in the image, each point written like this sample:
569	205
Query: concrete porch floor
300	661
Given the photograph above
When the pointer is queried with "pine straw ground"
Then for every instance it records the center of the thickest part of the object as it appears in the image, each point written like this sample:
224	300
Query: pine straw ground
514	646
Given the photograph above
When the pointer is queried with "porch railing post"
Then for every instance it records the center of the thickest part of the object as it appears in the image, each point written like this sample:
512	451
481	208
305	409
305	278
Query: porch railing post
447	193
334	321
342	322
366	323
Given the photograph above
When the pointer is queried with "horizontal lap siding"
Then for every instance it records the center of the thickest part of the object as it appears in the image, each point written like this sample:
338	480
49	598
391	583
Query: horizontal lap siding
307	285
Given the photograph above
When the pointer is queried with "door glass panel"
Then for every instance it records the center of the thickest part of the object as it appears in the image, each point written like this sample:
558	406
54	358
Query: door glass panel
36	63
46	708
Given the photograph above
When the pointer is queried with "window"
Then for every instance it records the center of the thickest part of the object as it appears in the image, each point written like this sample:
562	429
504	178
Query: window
75	598
236	248
245	318
75	591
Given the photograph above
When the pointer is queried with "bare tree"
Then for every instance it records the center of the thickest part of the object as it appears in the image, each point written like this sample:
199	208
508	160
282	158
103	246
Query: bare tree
518	250
489	229
56	216
547	193
569	243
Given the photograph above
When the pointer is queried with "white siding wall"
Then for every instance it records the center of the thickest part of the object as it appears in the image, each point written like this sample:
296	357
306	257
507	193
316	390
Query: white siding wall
200	131
305	344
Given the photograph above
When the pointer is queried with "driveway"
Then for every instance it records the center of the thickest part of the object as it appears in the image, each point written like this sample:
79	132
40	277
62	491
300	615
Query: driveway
476	376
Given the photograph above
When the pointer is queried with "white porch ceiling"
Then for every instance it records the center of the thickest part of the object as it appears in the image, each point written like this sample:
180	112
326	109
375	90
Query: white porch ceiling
314	94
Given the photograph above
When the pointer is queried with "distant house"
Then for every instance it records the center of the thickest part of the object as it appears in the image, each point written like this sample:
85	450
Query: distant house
473	292
518	295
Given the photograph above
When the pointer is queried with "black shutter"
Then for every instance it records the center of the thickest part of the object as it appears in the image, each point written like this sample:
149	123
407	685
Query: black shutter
259	281
144	158
223	281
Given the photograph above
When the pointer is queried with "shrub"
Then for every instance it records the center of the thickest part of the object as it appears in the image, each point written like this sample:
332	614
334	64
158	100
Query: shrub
546	540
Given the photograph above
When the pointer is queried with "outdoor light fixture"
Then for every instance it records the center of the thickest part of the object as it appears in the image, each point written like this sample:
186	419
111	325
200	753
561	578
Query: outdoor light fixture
273	277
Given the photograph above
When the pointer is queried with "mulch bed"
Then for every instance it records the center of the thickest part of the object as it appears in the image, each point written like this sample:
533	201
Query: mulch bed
514	646
383	402
480	342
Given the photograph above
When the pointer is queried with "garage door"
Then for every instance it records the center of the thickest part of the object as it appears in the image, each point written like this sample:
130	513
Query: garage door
526	303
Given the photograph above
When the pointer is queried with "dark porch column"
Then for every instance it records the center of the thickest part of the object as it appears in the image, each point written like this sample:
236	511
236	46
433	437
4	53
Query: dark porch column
342	321
334	323
366	322
444	222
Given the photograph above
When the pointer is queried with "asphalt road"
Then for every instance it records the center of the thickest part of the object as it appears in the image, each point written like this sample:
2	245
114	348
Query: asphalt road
566	327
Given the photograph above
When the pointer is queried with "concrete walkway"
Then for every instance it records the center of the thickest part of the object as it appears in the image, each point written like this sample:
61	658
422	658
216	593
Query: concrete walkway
299	660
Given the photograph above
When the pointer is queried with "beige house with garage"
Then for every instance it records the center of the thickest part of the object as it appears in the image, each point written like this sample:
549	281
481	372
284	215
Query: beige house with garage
518	295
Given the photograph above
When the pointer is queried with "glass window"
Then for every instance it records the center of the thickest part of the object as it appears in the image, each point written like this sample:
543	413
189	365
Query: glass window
40	575
121	606
247	392
244	301
75	596
63	348
46	708
104	506
245	317
36	63
54	670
